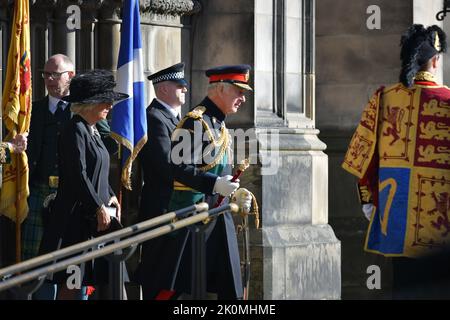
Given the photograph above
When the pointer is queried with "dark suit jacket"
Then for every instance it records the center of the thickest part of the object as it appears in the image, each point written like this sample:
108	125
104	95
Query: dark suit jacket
38	112
35	139
155	160
158	185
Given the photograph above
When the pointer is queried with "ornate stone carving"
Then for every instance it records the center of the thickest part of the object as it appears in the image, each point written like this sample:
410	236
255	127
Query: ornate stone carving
170	7
44	3
110	9
91	5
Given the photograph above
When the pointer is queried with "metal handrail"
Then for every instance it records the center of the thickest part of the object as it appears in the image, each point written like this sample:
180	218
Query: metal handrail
73	249
110	248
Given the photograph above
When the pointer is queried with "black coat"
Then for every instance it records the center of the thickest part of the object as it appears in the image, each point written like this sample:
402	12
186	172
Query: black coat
222	254
38	113
155	160
83	188
158	185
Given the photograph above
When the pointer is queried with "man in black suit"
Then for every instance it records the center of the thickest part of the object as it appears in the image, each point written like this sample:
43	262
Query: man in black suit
163	115
47	116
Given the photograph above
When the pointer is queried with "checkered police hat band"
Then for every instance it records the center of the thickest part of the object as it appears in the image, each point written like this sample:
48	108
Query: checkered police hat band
169	76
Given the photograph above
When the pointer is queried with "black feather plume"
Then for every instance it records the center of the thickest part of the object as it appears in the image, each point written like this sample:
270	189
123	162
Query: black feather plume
418	46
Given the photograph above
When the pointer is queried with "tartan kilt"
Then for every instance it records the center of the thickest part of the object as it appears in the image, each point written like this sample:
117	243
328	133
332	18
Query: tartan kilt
33	226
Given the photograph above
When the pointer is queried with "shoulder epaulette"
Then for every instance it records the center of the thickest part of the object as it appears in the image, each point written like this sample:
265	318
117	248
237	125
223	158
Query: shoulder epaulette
196	113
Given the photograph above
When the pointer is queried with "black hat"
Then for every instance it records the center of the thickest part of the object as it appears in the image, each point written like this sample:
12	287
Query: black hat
94	86
237	75
174	73
418	46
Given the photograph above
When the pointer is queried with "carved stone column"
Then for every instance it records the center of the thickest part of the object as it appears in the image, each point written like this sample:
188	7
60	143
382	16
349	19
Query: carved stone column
40	33
5	15
302	256
108	35
63	39
86	48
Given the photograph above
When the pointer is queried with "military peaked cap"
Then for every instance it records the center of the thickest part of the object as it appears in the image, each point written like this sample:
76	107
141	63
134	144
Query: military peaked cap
238	75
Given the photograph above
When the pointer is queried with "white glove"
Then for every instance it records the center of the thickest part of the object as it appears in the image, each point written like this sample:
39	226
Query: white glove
224	186
243	199
367	209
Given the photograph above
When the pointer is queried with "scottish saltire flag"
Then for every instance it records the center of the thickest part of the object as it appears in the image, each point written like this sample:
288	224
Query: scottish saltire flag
129	121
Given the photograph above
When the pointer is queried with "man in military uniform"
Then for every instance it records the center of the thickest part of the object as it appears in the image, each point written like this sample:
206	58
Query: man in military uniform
201	155
400	152
47	119
163	115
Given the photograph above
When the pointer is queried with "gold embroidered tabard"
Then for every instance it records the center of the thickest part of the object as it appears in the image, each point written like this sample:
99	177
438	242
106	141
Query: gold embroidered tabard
404	134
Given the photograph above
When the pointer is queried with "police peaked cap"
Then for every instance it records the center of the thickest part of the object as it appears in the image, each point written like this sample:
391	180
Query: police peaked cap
418	45
174	73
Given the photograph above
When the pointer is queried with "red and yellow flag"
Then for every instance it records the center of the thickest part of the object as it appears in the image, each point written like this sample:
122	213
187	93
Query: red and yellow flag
16	104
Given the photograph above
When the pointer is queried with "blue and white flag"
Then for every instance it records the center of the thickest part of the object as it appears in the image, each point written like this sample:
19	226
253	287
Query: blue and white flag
129	120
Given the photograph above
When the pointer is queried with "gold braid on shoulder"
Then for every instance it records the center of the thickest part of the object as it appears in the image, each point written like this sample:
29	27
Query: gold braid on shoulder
223	140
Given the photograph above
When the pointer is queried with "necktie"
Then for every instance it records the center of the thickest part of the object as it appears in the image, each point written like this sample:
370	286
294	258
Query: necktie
178	117
59	113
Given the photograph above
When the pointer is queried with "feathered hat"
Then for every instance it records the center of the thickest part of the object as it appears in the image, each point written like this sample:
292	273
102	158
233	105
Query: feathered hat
418	45
94	86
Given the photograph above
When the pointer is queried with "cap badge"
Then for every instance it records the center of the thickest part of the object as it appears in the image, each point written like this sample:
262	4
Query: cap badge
437	43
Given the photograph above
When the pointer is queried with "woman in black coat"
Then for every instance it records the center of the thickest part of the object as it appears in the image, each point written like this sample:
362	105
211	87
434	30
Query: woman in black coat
79	211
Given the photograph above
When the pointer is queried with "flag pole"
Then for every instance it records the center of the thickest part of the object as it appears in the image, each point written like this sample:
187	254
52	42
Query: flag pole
18	196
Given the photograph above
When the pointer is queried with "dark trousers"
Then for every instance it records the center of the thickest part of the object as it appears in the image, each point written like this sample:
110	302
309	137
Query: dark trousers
425	278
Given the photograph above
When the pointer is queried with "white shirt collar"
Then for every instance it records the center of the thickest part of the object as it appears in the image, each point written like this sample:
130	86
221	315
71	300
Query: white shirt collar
174	111
53	104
